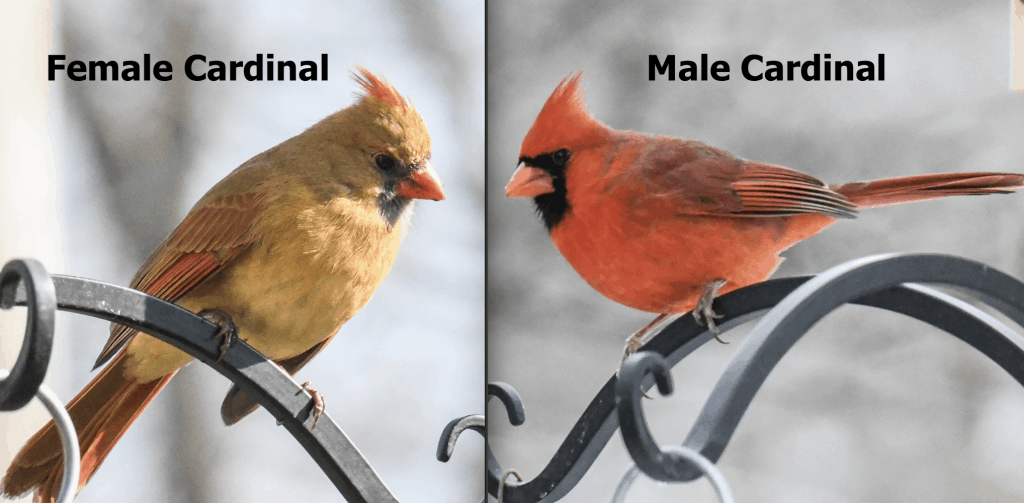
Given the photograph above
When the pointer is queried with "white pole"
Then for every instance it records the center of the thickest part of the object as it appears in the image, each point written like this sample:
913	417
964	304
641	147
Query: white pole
28	208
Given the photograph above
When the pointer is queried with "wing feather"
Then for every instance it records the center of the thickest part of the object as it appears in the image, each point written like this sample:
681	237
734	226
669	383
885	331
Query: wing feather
210	236
691	178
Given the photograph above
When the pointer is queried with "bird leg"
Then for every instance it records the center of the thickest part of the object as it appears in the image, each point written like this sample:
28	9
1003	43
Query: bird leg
704	309
638	339
319	404
228	332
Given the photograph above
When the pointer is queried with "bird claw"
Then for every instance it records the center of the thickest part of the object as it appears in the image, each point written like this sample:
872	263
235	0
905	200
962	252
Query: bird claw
632	345
704	314
228	330
638	339
319	404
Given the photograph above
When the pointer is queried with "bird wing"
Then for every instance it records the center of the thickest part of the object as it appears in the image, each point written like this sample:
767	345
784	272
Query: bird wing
210	236
692	178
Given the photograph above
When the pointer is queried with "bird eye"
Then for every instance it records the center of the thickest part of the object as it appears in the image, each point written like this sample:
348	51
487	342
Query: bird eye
561	157
386	163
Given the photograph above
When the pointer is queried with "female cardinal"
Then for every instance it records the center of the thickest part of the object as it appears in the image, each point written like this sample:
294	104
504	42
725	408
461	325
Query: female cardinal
664	225
284	250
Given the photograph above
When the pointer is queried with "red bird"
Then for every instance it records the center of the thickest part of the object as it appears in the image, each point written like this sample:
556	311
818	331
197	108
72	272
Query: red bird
664	225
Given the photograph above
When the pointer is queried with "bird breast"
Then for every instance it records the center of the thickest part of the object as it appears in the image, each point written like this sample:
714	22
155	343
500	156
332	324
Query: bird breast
661	265
292	291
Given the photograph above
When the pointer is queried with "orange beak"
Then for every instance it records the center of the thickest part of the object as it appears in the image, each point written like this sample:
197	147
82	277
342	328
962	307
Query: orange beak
529	181
423	183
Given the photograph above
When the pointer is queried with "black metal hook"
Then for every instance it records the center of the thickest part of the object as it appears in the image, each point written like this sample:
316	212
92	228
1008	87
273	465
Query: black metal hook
873	281
33	360
598	423
875	278
451	432
513	404
510	399
450	435
260	378
641	445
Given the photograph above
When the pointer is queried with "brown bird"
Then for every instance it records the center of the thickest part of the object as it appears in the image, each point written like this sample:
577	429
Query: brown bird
664	225
285	250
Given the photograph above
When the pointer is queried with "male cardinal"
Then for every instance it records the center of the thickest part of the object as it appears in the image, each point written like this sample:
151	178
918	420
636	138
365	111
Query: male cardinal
283	251
664	225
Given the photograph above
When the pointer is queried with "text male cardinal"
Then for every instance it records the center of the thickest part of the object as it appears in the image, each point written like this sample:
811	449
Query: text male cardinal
286	248
664	225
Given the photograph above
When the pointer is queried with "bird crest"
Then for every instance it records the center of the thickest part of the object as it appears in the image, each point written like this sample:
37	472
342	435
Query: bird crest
387	120
380	89
564	122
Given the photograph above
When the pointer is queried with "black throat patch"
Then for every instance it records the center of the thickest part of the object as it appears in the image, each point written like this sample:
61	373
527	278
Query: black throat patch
390	205
552	206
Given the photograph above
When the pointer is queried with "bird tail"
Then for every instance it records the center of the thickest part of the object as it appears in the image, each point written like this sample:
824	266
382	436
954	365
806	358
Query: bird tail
919	188
102	412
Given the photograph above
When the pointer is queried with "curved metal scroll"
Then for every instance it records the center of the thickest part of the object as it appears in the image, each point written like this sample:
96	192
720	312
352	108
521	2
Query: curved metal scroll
516	415
451	432
874	281
260	378
30	369
25	379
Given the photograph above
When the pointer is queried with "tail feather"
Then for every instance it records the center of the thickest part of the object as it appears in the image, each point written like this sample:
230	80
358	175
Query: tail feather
922	187
102	413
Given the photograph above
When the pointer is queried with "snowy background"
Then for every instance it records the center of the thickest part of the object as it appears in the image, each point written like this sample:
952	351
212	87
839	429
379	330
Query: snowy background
868	407
129	159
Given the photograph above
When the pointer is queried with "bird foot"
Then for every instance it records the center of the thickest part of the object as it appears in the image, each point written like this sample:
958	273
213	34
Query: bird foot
704	314
319	404
228	332
638	339
632	345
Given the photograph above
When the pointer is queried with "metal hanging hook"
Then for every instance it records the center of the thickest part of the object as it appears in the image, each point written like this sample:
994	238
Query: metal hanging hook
639	441
883	281
260	378
510	399
496	474
25	379
451	432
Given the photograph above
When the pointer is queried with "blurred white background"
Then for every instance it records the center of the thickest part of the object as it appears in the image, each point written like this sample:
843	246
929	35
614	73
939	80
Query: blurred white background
97	174
869	407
